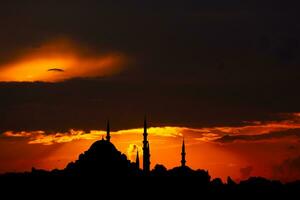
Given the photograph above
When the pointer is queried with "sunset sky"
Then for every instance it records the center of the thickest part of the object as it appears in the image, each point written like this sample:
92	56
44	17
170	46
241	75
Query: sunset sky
222	74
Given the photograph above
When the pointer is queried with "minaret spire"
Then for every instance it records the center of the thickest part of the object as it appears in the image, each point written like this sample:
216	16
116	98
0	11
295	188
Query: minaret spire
146	150
108	131
183	161
145	125
137	160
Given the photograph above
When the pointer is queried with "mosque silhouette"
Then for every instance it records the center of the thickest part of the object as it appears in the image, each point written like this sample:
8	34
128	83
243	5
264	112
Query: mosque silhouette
103	164
103	159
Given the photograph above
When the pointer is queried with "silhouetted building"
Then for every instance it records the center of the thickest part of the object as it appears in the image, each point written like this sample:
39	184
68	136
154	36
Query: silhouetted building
137	160
108	131
146	149
102	159
159	170
183	161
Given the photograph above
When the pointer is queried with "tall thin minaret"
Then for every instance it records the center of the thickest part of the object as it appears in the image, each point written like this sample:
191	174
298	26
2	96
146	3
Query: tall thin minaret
183	161
146	151
108	131
137	160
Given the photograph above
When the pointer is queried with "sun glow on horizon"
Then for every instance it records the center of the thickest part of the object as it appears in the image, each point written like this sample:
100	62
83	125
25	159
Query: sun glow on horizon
50	150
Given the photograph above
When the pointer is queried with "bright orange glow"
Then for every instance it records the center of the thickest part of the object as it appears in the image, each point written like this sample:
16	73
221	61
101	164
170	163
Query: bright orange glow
132	151
59	60
54	150
40	137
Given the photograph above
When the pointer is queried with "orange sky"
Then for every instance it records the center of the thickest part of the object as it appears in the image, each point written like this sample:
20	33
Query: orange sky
22	150
59	60
256	148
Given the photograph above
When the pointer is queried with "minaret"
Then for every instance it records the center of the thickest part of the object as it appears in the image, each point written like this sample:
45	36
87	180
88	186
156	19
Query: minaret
137	160
183	161
108	132
146	151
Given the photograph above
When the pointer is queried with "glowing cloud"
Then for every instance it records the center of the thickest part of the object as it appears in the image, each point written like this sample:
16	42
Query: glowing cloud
166	131
211	134
132	151
63	56
42	137
252	145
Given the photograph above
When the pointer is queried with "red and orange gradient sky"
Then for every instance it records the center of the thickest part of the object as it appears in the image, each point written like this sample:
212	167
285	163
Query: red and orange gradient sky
252	148
257	149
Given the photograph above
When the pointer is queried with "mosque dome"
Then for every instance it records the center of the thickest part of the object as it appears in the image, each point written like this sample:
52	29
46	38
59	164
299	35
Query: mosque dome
101	158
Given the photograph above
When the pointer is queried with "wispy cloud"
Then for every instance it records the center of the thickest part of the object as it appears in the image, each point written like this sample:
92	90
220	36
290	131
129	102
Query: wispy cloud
267	136
253	132
55	70
41	137
46	138
132	151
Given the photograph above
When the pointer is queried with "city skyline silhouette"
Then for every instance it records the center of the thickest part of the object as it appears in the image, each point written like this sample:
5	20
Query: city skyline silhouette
152	95
102	160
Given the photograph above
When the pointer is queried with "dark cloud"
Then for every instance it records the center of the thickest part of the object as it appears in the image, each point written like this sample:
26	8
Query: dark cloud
288	170
292	148
88	103
55	70
246	172
196	63
267	136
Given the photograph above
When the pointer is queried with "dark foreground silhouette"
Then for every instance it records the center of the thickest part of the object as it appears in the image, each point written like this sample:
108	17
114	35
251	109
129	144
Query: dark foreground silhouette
103	167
